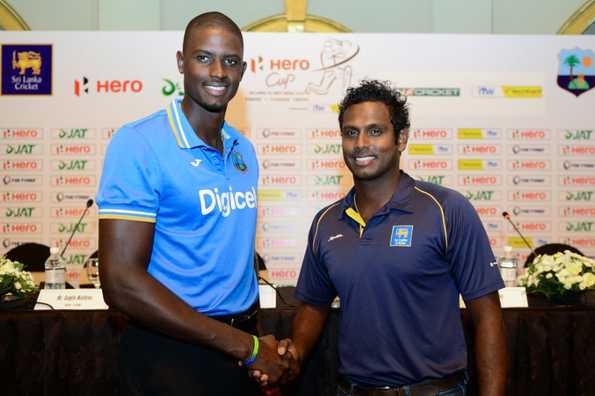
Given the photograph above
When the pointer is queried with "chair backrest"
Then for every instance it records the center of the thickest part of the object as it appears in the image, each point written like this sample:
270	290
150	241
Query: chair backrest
551	248
32	254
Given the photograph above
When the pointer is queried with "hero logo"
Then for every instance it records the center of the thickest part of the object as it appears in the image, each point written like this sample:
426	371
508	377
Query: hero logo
324	133
283	275
430	164
580	211
431	133
487	211
470	149
18	133
85	181
67	212
491	180
279	180
577	180
532	227
269	243
73	149
226	201
84	85
577	150
529	195
260	64
20	228
520	165
529	134
278	149
20	196
75	243
326	195
21	165
277	211
328	164
580	242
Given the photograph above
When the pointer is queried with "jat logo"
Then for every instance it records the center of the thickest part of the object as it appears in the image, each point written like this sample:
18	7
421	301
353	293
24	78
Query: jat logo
26	69
578	134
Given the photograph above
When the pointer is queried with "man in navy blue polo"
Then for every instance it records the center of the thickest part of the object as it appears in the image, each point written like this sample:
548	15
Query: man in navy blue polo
177	221
398	252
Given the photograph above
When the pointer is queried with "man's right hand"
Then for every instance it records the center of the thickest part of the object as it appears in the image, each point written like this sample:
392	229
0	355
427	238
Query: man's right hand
269	367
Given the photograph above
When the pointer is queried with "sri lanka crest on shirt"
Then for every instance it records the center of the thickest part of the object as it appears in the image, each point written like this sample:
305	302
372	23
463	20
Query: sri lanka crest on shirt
401	236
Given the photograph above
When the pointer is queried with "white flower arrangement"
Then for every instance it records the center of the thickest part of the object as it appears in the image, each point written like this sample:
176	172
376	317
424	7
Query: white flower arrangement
559	275
14	282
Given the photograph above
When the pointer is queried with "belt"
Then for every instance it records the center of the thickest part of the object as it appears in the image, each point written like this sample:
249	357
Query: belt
424	388
239	319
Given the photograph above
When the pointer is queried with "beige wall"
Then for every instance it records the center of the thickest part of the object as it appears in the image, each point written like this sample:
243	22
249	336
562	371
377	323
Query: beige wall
418	16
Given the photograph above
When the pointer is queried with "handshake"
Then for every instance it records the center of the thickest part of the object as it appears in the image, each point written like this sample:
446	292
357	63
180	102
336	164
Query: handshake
277	362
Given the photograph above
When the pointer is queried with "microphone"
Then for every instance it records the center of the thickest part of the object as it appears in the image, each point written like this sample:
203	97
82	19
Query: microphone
506	215
88	205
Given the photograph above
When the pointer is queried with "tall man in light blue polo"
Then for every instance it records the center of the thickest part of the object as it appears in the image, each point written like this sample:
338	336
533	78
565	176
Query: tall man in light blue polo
398	252
177	224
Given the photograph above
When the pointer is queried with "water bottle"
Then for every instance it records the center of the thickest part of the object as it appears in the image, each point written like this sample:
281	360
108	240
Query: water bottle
508	267
55	270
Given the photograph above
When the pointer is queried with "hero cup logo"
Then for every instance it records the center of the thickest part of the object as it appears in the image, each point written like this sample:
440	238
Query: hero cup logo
576	73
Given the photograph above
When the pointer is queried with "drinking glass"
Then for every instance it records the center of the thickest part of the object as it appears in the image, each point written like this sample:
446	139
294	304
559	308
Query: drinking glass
93	272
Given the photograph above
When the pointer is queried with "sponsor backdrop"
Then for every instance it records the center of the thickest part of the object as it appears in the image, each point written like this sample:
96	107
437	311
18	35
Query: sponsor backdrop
506	120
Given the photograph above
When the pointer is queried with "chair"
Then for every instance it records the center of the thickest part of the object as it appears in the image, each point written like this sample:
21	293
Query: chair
550	248
32	255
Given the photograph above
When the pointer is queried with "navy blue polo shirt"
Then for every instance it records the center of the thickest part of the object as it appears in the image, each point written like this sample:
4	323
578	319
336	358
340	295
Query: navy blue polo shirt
399	277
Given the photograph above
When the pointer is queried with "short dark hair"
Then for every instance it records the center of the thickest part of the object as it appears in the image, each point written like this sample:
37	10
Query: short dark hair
211	19
378	91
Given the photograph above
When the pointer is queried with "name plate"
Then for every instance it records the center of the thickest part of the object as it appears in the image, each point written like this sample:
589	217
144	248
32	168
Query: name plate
268	296
510	297
513	297
70	299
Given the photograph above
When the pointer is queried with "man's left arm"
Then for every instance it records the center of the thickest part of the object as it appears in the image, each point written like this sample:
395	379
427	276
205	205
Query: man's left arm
490	344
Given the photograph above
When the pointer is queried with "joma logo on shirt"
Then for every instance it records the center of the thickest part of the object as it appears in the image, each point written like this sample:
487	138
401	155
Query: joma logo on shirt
226	201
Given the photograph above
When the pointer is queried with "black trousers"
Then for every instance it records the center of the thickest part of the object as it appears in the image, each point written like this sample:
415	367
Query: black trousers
153	364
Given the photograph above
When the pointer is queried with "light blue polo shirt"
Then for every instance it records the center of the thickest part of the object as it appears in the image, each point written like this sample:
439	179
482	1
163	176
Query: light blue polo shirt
203	204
